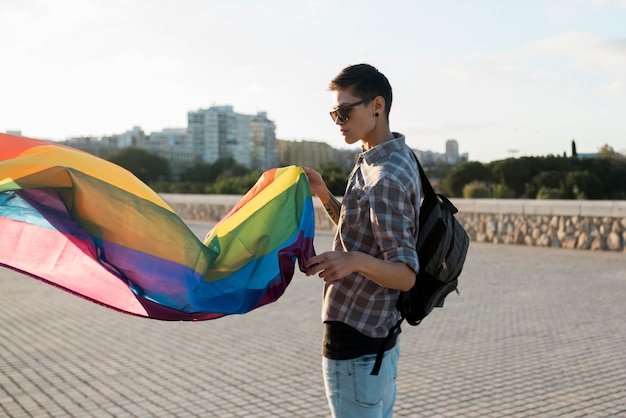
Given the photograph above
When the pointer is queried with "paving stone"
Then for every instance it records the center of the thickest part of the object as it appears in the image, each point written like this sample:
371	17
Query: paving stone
536	332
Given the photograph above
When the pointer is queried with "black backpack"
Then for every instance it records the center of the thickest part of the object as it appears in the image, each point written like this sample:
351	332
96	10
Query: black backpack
442	245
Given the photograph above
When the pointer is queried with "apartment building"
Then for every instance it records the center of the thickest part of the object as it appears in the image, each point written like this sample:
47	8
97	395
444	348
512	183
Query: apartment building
219	132
172	144
304	153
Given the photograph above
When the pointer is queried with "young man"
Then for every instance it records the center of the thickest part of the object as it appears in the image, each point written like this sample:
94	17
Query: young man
374	255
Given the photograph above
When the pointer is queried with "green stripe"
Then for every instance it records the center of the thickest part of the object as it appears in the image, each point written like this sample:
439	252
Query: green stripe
8	186
264	231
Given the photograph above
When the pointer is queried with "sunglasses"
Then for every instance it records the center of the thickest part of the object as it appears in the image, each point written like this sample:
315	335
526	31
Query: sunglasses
342	113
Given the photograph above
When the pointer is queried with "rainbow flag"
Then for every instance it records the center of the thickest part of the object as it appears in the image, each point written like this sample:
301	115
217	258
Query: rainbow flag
93	229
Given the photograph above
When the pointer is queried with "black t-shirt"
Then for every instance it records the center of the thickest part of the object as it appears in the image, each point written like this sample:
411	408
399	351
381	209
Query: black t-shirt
342	342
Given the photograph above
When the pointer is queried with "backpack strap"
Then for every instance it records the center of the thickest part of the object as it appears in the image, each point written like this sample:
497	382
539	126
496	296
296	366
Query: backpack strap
395	330
426	186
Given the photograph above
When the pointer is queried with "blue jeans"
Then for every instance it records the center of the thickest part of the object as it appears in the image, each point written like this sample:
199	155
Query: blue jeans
353	393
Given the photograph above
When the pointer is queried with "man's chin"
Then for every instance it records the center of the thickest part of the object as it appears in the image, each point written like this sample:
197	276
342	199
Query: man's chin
350	140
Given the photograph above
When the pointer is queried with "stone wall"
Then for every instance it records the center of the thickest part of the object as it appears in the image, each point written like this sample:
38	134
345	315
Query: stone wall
574	224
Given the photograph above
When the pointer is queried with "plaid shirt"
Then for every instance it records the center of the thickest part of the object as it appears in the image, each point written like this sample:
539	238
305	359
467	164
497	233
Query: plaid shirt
379	216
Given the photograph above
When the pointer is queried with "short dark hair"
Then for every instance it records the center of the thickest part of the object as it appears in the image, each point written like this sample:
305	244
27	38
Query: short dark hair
363	81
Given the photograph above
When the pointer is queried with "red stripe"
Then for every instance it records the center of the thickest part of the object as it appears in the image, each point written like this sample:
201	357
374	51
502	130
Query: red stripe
265	180
71	265
12	146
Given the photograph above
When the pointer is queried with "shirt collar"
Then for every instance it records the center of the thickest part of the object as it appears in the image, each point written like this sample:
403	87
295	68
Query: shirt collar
381	150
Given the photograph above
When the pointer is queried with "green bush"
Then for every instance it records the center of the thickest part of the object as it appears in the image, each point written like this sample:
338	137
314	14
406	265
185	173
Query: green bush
502	191
456	179
476	190
235	185
546	193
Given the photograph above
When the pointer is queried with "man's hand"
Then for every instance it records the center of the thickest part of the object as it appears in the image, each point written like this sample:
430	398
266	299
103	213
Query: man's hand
319	189
316	182
335	265
332	265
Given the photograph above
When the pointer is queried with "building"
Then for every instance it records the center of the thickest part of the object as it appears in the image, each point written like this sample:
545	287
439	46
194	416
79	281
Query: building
100	147
452	151
219	132
450	157
429	158
172	144
304	153
346	158
265	150
132	138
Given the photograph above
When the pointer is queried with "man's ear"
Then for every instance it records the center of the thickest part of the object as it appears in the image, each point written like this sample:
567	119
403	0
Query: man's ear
379	105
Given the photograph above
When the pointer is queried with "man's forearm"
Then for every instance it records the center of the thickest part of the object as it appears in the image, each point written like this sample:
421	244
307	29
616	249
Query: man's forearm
331	205
394	275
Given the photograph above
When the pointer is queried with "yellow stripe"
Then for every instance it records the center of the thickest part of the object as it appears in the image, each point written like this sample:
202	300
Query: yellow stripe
47	156
285	177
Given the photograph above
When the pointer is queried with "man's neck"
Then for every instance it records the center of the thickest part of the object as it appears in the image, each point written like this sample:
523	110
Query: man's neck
376	139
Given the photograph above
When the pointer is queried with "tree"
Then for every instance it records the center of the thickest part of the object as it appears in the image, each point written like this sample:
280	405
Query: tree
515	173
544	182
610	167
209	173
574	153
618	174
235	185
606	151
197	173
582	185
226	167
146	166
455	179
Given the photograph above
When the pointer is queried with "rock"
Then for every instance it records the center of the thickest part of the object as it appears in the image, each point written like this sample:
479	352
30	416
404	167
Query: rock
536	233
569	243
614	242
583	242
597	244
554	222
543	241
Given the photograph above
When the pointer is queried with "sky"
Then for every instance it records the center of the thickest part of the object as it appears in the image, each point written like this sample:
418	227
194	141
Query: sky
503	78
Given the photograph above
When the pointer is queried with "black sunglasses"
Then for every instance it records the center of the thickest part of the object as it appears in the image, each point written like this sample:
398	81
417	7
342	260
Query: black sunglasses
342	113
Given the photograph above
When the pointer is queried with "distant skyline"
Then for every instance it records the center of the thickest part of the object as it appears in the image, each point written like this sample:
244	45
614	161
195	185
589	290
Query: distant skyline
501	78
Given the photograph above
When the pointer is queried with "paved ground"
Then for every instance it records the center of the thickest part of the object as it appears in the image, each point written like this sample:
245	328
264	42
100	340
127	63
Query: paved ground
535	333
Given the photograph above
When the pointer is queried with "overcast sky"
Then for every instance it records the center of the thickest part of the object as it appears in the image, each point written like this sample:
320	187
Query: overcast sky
503	78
